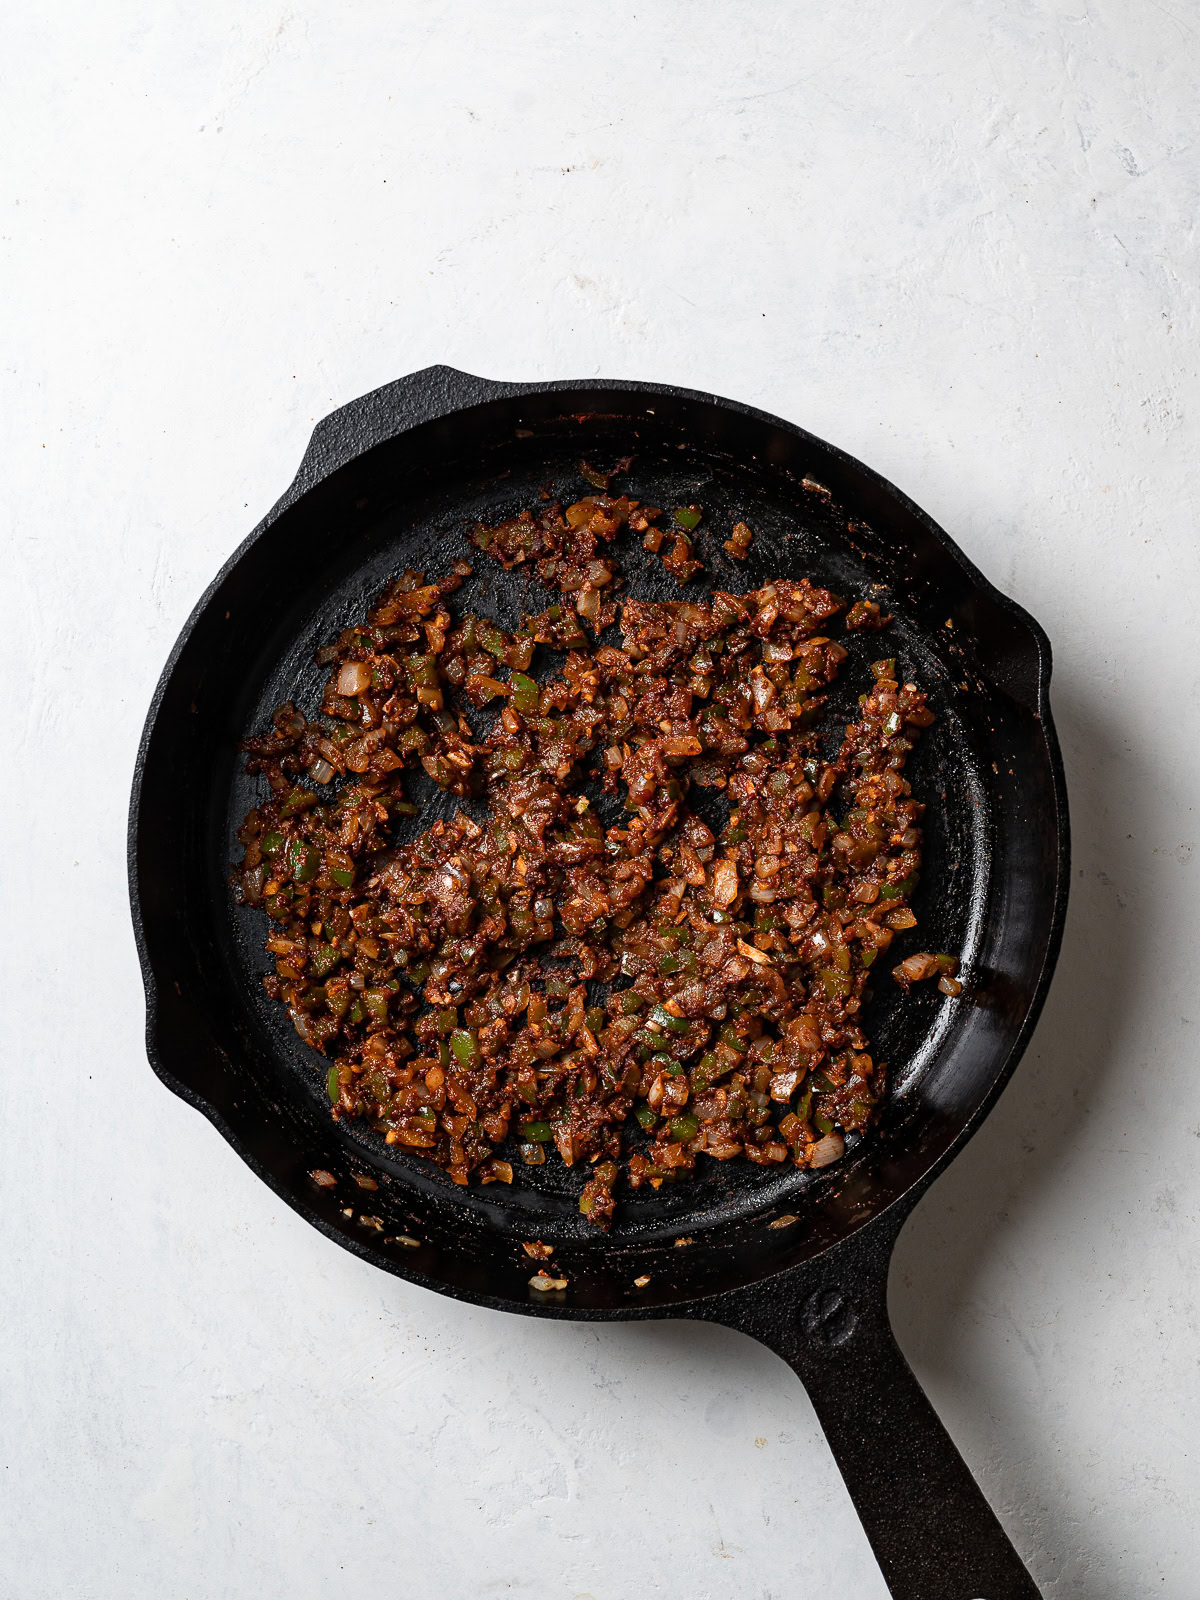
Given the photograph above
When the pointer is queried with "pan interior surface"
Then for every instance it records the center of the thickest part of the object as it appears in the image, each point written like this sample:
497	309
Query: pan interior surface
983	769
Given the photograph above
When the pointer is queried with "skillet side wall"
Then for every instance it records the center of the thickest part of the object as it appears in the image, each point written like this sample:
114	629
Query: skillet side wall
406	502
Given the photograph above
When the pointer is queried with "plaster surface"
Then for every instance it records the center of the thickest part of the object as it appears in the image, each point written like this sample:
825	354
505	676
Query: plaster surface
958	240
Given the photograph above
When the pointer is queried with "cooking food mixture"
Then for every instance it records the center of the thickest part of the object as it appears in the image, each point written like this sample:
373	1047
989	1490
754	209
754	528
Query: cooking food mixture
528	982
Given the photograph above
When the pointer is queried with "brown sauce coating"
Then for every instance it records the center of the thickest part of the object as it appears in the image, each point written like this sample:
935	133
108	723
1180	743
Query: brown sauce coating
539	985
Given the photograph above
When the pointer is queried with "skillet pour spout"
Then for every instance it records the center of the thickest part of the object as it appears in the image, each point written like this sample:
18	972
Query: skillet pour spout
798	1260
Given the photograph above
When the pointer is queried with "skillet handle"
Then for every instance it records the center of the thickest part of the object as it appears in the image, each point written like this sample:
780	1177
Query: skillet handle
933	1533
371	419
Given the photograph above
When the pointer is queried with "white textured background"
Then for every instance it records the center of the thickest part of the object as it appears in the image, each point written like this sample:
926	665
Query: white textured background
957	239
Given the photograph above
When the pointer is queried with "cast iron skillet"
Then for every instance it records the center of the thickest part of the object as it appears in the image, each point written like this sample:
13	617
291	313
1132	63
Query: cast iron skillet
799	1261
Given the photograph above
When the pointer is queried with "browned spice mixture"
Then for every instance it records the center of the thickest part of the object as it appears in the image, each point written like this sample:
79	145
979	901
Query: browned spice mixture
738	542
447	979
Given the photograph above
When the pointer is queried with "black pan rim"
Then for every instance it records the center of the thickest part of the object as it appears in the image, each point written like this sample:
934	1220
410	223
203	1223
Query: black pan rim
478	392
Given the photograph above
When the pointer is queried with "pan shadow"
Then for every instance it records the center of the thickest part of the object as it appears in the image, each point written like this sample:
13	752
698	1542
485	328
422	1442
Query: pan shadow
1016	1174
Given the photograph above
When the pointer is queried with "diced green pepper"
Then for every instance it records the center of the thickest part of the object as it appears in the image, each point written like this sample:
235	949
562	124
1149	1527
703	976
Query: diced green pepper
537	1132
298	800
465	1048
837	985
708	1070
668	1019
645	1115
323	960
332	1087
525	693
893	891
422	671
490	637
376	1002
688	517
342	876
272	844
447	1021
304	861
684	1128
